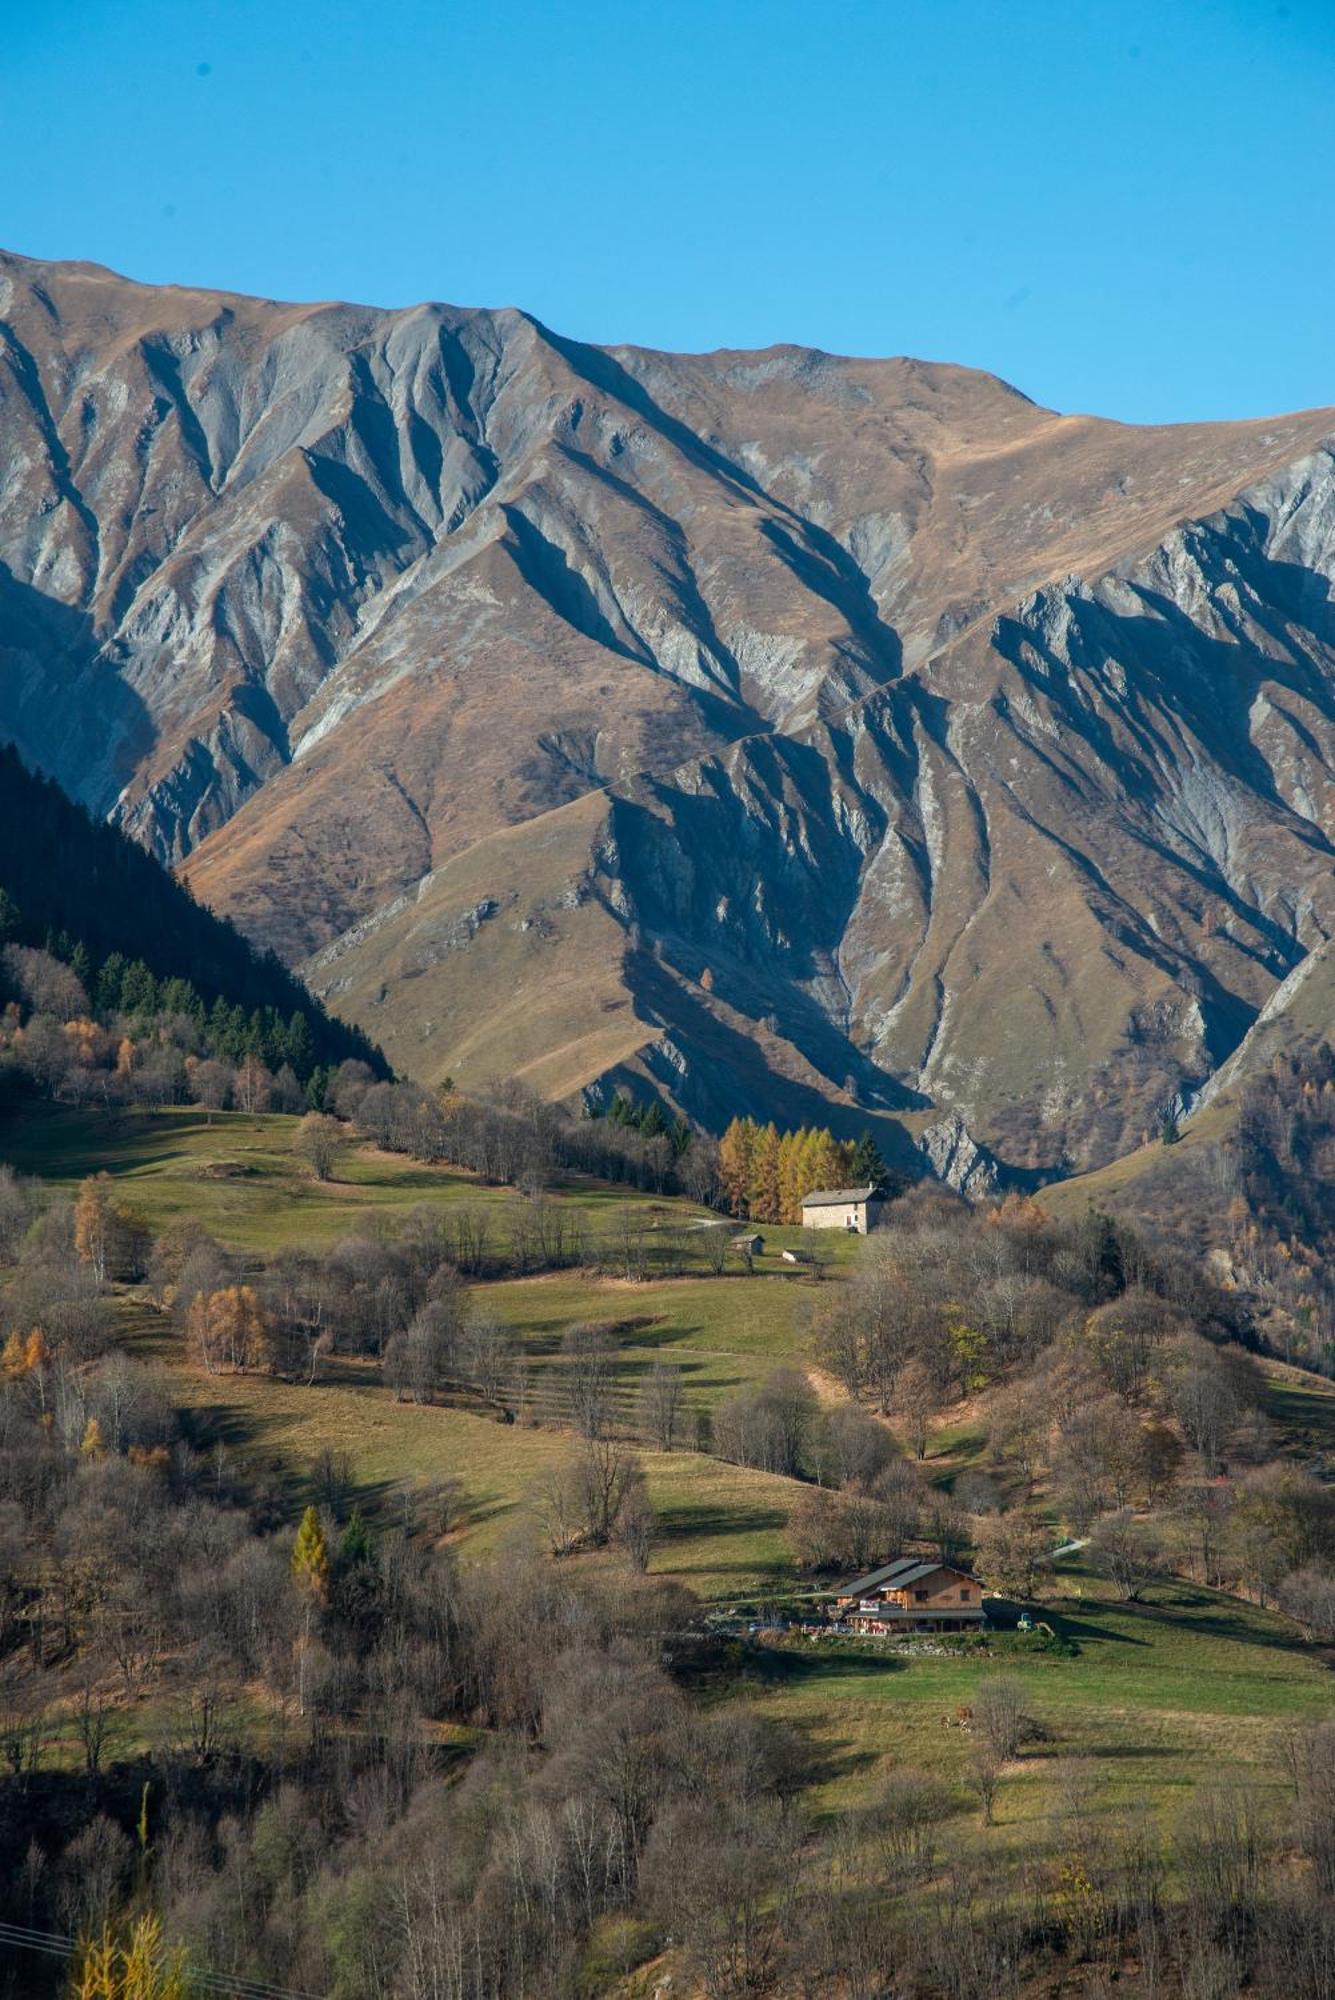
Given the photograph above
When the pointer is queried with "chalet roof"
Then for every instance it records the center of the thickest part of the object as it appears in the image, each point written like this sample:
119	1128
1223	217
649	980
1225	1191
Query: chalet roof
898	1575
831	1197
876	1579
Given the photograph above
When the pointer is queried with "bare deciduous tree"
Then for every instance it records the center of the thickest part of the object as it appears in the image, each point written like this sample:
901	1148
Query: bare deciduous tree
661	1404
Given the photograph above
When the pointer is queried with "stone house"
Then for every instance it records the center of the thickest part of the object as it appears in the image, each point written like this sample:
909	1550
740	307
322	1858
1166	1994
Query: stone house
855	1209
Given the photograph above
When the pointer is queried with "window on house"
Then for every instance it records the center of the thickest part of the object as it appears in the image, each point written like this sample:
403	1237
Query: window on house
921	1596
965	1595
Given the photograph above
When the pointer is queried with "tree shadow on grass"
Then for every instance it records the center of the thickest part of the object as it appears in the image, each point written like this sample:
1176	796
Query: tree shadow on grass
1082	1629
824	1762
1219	1623
1058	1752
683	1523
787	1666
371	1496
234	1424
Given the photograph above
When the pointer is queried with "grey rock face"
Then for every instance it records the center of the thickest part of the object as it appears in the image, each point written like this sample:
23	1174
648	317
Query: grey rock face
955	1158
951	753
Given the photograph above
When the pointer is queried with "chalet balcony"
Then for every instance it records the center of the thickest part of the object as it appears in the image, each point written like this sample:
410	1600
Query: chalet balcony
876	1607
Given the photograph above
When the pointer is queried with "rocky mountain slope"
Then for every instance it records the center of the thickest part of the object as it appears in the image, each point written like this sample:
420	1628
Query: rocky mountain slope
800	733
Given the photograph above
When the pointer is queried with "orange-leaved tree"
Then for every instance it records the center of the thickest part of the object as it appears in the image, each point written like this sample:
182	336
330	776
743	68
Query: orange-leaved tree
229	1328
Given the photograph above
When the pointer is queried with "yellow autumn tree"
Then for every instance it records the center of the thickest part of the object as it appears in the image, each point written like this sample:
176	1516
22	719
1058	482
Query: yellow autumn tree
92	1444
36	1363
94	1224
310	1573
85	1040
735	1150
310	1557
764	1190
13	1362
134	1965
789	1209
824	1163
229	1328
108	1237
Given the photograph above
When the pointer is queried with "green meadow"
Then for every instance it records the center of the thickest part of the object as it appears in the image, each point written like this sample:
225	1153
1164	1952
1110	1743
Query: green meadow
1154	1698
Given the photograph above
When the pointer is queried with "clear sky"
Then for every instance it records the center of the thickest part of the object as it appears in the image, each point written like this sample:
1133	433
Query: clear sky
1125	206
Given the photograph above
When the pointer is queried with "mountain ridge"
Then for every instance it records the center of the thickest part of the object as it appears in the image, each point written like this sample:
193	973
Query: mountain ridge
889	695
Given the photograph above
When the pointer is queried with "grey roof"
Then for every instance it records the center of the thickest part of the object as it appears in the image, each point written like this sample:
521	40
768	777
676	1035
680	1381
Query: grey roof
828	1197
877	1577
896	1575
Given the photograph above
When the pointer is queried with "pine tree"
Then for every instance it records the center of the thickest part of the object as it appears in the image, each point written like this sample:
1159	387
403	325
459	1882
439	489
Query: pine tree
354	1544
139	990
110	983
300	1048
868	1169
310	1558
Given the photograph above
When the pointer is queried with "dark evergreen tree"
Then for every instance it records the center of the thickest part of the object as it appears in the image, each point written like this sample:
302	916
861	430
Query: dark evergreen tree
869	1169
110	982
139	941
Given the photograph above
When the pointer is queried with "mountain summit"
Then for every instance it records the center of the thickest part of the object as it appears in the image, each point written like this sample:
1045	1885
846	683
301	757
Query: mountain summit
798	733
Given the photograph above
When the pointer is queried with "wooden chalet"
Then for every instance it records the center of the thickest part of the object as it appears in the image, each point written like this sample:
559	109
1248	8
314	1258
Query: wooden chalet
911	1594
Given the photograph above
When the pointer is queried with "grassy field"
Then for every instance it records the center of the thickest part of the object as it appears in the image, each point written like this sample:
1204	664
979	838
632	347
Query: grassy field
723	1333
1193	1684
721	1527
239	1177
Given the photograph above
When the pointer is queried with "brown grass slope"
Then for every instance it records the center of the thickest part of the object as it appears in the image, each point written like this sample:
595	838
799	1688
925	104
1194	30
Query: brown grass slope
947	753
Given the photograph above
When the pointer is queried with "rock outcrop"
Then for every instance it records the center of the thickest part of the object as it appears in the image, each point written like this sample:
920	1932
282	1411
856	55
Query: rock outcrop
809	735
955	1157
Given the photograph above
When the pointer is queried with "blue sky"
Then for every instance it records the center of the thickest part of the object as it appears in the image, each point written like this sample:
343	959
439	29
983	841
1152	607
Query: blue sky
1126	208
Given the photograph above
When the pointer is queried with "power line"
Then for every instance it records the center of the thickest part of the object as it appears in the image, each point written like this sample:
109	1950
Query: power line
23	1937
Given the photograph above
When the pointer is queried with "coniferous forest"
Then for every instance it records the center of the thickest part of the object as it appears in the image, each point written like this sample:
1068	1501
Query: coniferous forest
138	942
